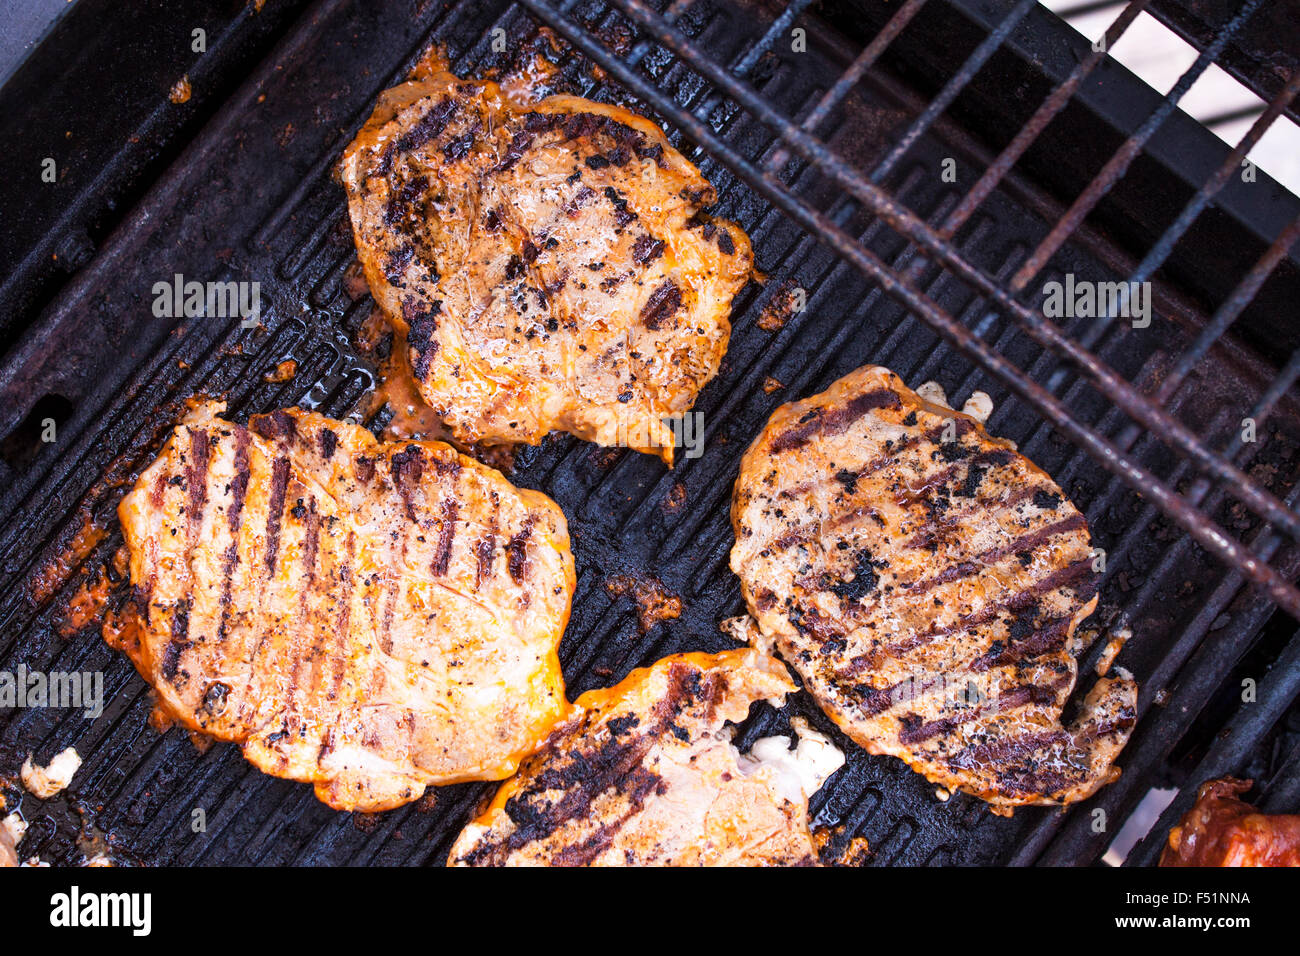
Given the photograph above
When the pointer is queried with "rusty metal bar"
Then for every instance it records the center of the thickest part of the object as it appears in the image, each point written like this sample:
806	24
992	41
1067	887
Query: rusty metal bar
1038	122
1045	333
1119	163
1202	529
987	47
851	76
1161	250
1232	307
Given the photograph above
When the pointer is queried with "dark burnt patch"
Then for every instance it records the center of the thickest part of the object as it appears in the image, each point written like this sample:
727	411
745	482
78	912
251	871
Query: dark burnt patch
663	304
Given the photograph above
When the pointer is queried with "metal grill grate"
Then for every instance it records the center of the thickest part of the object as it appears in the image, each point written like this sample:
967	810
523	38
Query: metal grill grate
828	160
1146	412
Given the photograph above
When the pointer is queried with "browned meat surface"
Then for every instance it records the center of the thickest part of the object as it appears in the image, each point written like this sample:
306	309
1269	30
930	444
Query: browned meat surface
926	581
372	618
1223	830
8	847
547	262
644	773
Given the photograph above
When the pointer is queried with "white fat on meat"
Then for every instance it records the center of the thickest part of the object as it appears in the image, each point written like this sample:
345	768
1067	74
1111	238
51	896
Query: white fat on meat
796	772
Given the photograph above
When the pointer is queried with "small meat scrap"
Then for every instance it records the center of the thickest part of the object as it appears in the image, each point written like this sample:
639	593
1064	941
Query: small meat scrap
180	91
653	601
283	372
788	299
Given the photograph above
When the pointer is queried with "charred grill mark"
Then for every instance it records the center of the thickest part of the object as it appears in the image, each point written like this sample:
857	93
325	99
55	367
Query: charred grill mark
364	468
1051	637
484	550
1005	750
580	199
663	304
647	249
819	421
519	144
726	244
347	582
329	441
177	640
915	732
403	200
392	588
460	146
1014	603
640	785
278	425
305	621
991	556
159	490
421	324
851	478
622	215
396	261
932	529
406	468
446	535
430	125
275	510
614	763
517	551
234	520
196	476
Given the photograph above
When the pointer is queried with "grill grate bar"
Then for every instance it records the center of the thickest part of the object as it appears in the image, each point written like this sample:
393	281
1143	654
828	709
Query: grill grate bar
1275	694
1207	532
1119	163
1231	308
1044	115
857	69
917	230
779	26
1165	245
988	46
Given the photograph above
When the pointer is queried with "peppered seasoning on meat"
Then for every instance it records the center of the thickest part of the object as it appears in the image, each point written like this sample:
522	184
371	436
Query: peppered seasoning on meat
547	262
926	581
371	618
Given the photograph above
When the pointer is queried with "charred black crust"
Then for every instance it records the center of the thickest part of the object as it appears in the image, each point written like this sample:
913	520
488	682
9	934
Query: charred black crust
421	324
663	304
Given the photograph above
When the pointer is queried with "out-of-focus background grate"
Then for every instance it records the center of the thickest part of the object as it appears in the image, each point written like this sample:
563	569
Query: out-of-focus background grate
1219	102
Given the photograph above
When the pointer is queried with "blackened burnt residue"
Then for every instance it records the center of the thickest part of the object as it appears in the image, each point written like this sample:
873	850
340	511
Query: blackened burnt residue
864	579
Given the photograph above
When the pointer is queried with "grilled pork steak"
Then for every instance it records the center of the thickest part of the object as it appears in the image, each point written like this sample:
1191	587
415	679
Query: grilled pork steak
644	773
1221	829
372	618
926	581
547	264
